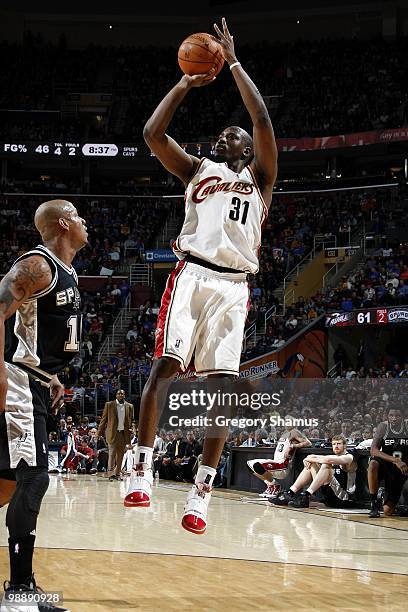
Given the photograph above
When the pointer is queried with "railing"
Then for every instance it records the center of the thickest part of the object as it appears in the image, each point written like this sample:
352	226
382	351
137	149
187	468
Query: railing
91	400
138	251
289	295
333	370
294	272
324	239
162	235
268	314
120	321
249	333
141	274
329	274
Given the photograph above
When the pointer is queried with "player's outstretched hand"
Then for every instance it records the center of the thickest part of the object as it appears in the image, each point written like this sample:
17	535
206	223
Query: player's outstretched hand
226	41
199	80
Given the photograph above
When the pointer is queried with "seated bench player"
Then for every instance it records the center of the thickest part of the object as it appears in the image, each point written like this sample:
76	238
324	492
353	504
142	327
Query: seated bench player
334	475
271	470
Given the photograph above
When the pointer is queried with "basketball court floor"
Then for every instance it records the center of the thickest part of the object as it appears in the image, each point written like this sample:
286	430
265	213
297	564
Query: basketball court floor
105	557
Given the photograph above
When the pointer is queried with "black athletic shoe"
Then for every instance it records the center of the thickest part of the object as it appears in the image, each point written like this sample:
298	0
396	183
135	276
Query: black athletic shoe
9	603
282	499
375	509
300	501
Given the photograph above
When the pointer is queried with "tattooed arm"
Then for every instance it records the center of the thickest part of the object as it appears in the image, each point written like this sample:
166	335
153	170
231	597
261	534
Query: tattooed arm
20	283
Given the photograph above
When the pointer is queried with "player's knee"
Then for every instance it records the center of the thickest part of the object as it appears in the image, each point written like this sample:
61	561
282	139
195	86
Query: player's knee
162	369
326	471
256	467
35	483
22	513
388	510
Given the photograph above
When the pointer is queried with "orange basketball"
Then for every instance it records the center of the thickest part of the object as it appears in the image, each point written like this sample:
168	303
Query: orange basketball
199	53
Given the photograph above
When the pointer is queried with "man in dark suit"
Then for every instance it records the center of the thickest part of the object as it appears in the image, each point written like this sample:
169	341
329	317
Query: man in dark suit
170	469
117	422
189	463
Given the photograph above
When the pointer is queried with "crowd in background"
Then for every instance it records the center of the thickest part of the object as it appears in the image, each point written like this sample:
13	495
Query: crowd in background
381	281
38	75
117	227
352	403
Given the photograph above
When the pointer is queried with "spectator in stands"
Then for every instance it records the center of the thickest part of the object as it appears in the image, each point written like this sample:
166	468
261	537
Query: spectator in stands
100	452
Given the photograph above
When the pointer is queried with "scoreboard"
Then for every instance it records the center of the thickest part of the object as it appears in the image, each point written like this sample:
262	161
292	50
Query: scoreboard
370	316
82	150
62	149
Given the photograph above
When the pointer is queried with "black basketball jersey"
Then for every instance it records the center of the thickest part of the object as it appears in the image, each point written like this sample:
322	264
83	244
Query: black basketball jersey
396	443
44	334
344	481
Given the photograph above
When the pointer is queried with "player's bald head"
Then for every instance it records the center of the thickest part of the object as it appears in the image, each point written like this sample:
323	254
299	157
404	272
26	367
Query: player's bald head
49	213
246	138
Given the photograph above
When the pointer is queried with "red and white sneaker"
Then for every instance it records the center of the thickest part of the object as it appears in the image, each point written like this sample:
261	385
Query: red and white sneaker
272	490
140	487
195	511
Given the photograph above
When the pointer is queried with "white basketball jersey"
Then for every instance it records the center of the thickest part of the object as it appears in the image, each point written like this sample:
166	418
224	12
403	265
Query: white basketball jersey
224	214
282	448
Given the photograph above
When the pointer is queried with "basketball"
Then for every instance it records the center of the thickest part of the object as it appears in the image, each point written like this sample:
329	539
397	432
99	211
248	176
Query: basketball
198	53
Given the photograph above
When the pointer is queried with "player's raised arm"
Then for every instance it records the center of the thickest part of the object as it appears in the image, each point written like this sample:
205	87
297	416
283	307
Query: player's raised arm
171	155
19	284
265	150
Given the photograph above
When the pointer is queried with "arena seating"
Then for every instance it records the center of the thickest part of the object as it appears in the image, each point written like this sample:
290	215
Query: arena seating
372	95
381	281
131	221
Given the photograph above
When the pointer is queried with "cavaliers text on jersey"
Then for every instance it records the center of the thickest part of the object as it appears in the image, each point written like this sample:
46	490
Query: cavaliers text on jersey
223	217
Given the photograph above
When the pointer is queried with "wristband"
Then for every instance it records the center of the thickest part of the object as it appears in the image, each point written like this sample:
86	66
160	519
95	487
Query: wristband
234	64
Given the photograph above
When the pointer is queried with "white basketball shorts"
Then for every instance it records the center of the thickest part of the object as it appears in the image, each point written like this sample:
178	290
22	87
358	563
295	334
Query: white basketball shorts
205	311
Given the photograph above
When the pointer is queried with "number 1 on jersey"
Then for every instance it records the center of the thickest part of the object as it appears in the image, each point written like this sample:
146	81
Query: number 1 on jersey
73	340
235	211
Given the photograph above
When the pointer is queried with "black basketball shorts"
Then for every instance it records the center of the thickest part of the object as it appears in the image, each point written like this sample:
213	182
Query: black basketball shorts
23	425
394	480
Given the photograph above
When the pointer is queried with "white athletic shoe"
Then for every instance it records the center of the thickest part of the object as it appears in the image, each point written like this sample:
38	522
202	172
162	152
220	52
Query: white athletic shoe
140	487
195	511
272	490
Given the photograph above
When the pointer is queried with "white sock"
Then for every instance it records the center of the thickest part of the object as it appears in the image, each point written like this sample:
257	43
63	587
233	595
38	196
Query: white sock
144	454
206	475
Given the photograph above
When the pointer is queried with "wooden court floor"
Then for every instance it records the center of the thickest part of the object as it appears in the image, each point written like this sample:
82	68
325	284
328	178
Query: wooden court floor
105	557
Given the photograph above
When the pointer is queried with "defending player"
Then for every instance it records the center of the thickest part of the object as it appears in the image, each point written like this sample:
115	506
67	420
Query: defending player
40	324
388	462
205	302
278	468
334	475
